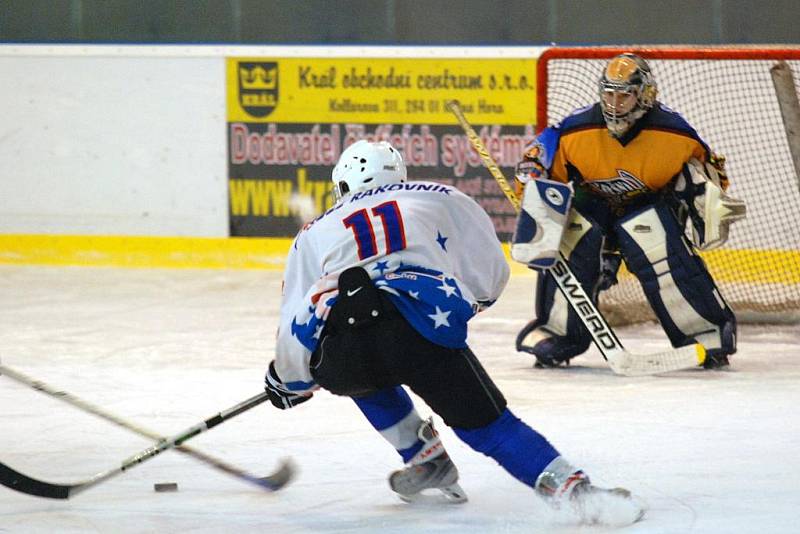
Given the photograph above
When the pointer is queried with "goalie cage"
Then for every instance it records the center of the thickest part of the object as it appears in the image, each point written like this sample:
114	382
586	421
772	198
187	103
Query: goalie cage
729	96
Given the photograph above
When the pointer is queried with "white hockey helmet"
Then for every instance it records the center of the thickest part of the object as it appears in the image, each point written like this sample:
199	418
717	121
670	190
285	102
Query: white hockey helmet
364	165
627	91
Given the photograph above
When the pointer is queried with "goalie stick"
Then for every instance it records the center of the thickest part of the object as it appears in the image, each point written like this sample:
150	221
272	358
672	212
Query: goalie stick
17	481
619	360
272	482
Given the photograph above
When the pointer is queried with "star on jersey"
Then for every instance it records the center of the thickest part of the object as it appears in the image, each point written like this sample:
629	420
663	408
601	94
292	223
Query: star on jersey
440	318
414	294
441	240
448	290
381	266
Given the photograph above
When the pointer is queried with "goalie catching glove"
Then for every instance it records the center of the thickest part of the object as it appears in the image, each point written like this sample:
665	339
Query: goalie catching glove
279	395
531	167
700	190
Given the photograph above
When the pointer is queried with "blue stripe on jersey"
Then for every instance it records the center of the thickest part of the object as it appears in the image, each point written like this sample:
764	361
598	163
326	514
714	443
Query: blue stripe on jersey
587	117
548	139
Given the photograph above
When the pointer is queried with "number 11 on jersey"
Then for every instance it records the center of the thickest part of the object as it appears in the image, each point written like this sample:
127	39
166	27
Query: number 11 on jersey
363	229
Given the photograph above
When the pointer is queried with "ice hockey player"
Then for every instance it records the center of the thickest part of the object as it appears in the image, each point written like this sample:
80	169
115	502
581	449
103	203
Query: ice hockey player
377	294
638	171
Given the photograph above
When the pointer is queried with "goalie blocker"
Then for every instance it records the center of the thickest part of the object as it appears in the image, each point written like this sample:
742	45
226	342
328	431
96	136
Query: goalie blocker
540	226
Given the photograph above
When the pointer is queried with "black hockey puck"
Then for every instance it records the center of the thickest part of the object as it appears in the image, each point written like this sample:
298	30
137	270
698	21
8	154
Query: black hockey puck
165	486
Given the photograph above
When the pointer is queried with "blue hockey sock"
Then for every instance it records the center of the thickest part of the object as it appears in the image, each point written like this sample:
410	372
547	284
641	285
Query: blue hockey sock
391	411
514	445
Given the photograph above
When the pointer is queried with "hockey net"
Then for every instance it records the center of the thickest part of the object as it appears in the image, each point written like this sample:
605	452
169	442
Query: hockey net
728	95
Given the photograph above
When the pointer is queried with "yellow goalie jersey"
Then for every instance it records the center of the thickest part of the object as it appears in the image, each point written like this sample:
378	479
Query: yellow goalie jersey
644	160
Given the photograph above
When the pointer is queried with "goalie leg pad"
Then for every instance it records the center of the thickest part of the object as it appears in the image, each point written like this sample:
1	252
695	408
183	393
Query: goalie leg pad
541	223
557	334
675	280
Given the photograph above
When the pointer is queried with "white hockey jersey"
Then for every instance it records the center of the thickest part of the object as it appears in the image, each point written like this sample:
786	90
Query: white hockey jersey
431	247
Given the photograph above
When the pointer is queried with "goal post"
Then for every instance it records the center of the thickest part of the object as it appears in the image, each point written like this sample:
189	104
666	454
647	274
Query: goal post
728	95
786	91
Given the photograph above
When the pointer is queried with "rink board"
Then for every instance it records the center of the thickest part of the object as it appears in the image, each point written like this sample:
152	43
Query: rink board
270	253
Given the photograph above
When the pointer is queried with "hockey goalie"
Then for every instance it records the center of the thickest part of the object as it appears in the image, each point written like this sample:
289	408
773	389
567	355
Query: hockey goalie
619	181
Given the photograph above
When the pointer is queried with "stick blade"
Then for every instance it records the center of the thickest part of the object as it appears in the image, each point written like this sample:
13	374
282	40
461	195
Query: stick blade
280	478
688	357
16	481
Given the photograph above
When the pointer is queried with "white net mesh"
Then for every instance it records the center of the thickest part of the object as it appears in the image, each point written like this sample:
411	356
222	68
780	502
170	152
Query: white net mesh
733	106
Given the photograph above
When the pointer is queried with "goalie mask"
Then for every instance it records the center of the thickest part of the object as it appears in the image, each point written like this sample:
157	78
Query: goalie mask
364	165
627	91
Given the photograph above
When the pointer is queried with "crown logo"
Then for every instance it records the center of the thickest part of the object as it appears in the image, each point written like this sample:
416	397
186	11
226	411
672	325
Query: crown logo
258	78
258	87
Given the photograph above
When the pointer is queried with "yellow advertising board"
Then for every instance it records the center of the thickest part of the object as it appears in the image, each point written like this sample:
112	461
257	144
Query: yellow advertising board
376	90
289	119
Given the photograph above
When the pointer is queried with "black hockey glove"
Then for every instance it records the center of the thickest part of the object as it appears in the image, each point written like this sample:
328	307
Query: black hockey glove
281	397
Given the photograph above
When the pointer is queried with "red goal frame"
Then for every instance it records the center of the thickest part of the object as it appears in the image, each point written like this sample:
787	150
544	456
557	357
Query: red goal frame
646	53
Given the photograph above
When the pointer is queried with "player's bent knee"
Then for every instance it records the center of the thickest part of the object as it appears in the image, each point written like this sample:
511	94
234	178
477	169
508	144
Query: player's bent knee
474	403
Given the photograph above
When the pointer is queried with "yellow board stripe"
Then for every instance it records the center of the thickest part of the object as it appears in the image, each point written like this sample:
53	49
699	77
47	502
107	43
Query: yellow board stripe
170	252
750	266
270	253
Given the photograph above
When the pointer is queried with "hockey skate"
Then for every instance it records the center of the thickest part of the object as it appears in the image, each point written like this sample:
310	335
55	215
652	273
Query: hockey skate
716	359
570	492
430	468
550	350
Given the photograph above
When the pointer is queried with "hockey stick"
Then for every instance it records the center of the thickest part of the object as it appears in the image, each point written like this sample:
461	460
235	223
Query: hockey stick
272	482
19	482
620	360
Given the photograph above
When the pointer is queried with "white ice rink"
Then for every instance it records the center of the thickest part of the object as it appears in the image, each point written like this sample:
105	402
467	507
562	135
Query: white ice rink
710	452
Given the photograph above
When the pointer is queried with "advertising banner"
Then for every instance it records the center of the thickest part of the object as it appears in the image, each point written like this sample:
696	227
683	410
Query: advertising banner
288	120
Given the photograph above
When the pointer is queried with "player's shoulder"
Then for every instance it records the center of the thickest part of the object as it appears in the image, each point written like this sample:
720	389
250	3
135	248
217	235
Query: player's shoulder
320	223
434	196
663	117
424	186
583	118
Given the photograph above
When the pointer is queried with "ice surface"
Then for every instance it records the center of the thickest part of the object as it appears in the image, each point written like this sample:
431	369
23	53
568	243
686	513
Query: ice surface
708	451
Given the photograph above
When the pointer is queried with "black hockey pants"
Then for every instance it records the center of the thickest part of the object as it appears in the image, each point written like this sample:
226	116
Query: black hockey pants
361	352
